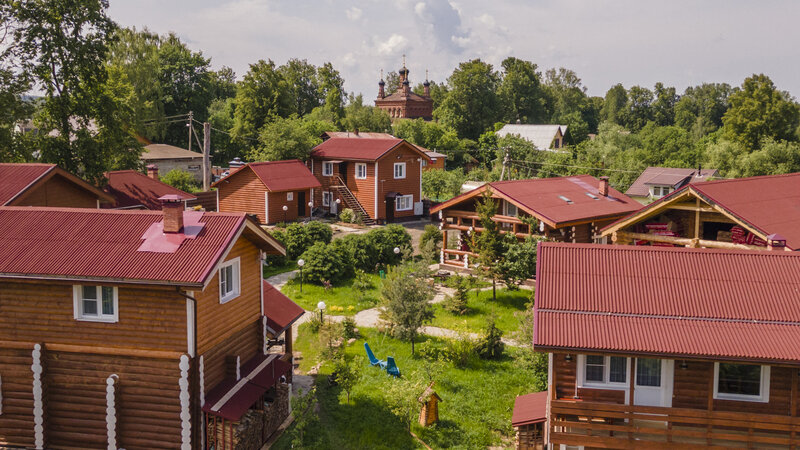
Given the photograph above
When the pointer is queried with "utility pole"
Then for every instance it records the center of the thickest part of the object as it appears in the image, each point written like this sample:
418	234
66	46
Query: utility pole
207	156
506	160
191	117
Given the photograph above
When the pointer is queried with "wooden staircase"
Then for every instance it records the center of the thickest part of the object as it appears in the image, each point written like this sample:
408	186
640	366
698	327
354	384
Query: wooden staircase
350	201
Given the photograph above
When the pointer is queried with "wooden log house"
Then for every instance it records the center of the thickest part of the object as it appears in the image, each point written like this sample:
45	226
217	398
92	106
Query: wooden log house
567	209
745	213
33	184
669	347
137	329
275	191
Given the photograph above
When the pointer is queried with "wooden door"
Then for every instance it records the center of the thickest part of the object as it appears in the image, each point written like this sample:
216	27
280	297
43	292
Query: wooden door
301	204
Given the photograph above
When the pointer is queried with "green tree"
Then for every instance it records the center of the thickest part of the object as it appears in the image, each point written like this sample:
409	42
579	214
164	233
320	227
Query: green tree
331	90
13	84
519	260
520	92
365	118
760	111
438	92
472	106
261	97
568	104
406	297
303	85
347	373
220	116
222	83
290	138
181	179
63	46
487	243
614	104
700	108
664	105
639	109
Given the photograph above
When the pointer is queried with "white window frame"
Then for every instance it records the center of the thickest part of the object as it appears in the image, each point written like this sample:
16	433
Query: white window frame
507	206
401	165
327	197
605	384
77	303
763	397
237	280
289	196
403	198
361	167
327	169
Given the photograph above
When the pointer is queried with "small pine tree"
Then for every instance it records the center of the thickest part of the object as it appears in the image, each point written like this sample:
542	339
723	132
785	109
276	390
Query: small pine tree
488	243
491	345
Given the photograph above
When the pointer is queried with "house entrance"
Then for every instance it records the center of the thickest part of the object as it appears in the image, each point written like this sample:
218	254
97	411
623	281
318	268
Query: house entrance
653	386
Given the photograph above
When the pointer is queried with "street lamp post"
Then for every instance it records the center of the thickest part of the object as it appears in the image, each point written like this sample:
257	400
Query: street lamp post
321	306
300	264
397	250
285	208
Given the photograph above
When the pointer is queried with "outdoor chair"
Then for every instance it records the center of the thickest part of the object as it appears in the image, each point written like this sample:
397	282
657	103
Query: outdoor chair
391	367
373	361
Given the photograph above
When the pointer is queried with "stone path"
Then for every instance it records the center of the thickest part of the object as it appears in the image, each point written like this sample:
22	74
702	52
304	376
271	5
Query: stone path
281	279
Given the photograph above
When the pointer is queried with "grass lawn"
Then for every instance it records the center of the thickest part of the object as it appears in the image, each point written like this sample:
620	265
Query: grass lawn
508	302
475	411
340	295
275	270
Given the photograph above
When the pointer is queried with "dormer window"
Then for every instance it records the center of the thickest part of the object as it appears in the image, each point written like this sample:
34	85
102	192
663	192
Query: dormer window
95	303
660	191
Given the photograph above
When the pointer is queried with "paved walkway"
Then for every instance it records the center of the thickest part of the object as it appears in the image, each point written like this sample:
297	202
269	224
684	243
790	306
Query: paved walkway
281	279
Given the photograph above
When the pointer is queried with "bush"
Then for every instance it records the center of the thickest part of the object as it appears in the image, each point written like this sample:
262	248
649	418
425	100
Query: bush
319	231
277	260
460	351
331	339
349	329
315	322
360	250
430	243
347	216
385	239
296	240
457	303
323	263
491	344
180	179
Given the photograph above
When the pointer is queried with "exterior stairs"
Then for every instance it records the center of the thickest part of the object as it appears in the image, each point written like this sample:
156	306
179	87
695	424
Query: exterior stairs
350	201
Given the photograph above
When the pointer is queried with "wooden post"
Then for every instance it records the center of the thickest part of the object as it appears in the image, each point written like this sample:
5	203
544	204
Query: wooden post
793	406
697	220
632	384
206	156
710	401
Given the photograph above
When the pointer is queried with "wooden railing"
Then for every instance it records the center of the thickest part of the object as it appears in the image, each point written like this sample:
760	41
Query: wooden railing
610	425
465	220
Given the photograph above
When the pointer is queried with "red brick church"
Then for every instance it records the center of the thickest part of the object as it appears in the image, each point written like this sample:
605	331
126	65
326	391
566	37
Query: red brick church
403	103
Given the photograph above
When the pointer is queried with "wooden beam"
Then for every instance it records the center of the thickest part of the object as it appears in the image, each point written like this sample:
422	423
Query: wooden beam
697	220
688	242
696	207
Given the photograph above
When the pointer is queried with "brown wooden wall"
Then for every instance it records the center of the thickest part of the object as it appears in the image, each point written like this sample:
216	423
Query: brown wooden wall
242	192
439	164
363	190
409	185
245	344
215	321
58	191
149	317
16	422
278	199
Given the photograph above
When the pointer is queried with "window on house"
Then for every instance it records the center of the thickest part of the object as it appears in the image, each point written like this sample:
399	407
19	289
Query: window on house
327	197
361	171
327	168
510	209
399	170
425	163
747	382
660	191
403	202
648	372
96	303
605	370
557	143
229	286
289	196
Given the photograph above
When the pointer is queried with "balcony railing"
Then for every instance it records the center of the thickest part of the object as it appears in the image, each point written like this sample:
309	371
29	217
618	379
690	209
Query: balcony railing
623	426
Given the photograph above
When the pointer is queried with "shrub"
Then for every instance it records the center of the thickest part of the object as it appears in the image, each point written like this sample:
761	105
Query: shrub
322	264
430	243
182	180
457	303
331	338
349	329
491	344
319	231
347	215
384	240
277	260
296	240
359	249
345	253
315	322
460	351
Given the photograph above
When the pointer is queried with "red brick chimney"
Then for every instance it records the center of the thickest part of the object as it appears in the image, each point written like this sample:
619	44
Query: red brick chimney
603	187
152	171
776	242
355	131
172	207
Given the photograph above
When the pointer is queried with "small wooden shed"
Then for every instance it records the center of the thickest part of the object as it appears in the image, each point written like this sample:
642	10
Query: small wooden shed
430	406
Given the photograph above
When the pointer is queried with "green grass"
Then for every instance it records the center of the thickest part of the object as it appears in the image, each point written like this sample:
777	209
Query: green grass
270	271
508	302
475	411
341	295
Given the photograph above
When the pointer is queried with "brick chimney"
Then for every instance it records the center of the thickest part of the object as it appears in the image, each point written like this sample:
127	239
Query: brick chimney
355	131
603	187
776	242
152	171
172	207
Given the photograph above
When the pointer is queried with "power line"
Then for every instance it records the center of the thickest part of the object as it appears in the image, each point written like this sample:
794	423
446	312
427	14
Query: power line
575	167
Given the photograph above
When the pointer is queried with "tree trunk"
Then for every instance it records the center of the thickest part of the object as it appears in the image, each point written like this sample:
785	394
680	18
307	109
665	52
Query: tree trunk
494	289
412	345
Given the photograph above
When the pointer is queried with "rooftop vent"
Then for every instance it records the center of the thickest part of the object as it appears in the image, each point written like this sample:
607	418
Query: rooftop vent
569	202
590	195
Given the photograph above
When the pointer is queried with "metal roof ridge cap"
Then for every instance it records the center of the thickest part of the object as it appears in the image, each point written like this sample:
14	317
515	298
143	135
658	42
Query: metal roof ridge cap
220	251
667	317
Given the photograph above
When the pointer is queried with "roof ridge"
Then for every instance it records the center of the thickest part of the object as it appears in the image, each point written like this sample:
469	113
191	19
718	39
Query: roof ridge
758	177
652	249
108	211
671	317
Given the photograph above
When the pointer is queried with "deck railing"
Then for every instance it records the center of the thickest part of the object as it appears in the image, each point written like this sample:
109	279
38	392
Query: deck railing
610	425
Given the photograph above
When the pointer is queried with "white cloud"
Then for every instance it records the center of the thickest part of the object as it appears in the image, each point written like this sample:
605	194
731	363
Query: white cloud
354	13
419	8
393	45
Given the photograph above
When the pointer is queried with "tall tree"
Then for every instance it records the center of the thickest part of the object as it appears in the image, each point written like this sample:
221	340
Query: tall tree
331	90
472	106
568	104
639	109
290	138
664	105
13	85
303	85
358	116
64	44
760	111
220	116
488	243
614	104
521	92
406	296
700	108
261	97
438	92
222	83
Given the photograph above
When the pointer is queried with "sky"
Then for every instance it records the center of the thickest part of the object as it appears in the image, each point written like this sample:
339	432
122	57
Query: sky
634	42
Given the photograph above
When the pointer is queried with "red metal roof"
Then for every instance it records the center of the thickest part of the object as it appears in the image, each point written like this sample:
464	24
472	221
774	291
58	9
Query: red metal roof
61	243
667	176
529	408
557	200
278	176
674	301
17	178
133	189
280	310
770	203
359	149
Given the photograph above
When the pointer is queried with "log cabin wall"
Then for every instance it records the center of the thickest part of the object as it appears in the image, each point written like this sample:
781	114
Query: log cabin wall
243	192
16	421
217	322
152	318
565	375
277	200
363	190
405	186
57	191
246	343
